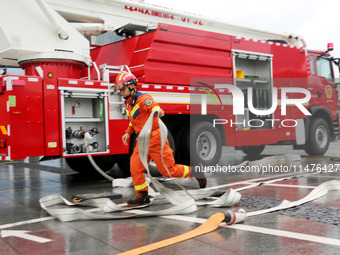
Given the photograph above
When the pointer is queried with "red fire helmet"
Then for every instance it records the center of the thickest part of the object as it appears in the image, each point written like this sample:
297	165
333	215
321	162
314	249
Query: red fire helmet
123	79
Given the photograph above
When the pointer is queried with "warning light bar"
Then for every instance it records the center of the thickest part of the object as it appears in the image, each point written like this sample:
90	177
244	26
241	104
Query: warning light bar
330	47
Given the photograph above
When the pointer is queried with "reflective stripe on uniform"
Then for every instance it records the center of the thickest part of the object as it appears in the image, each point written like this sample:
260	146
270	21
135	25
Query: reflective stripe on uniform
130	124
135	111
186	171
156	107
140	187
155	132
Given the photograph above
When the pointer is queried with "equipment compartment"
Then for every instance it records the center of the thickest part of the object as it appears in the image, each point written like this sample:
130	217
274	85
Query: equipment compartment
84	111
254	71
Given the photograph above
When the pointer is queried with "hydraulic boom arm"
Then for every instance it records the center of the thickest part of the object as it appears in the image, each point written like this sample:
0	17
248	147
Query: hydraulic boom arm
53	29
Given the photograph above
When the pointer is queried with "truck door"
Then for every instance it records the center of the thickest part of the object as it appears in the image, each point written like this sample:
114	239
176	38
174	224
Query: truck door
25	107
321	82
325	90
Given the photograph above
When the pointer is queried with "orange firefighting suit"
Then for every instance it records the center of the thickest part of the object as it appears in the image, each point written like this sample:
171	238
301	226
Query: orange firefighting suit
138	114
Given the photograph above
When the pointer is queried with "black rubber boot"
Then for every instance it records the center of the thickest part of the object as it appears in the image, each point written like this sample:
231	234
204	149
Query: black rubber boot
141	198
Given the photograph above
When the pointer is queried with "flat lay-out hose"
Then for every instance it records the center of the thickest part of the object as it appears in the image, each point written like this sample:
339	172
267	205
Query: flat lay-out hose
210	225
231	217
183	201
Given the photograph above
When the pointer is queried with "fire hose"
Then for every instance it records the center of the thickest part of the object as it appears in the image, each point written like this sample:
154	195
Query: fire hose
183	202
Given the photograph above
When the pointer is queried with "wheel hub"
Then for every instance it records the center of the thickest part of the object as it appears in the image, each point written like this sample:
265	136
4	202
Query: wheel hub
206	145
321	136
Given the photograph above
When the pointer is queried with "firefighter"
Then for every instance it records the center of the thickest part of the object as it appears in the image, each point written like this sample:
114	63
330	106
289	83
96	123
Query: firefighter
138	107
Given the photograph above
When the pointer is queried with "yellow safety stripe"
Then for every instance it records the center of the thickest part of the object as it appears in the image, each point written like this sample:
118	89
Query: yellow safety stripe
155	132
121	75
156	107
130	124
127	112
140	187
186	171
134	109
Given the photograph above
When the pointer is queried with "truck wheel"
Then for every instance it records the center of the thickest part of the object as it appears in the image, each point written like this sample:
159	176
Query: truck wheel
253	150
123	162
182	148
79	165
83	165
318	137
105	162
205	144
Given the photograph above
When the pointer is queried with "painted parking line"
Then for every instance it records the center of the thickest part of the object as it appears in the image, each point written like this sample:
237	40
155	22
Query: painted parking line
25	222
32	221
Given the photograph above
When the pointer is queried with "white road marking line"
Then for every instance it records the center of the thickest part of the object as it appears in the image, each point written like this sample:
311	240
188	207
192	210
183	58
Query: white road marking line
288	234
261	230
24	235
20	223
25	222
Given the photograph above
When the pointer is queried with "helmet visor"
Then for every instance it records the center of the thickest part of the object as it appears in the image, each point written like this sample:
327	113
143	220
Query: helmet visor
119	86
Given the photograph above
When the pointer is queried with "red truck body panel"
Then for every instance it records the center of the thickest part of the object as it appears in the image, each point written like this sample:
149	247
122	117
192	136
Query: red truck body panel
168	62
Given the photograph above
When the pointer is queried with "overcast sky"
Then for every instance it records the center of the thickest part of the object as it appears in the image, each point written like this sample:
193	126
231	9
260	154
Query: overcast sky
316	21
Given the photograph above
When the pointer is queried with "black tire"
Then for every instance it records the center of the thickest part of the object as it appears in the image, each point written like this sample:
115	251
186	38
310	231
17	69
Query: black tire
205	144
79	165
318	137
123	161
182	148
105	162
83	165
253	150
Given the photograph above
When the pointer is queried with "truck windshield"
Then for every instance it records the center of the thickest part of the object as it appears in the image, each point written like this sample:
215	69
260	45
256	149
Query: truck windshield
324	68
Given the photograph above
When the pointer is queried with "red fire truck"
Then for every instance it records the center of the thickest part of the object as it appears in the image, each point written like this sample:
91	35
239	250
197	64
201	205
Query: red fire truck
180	59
